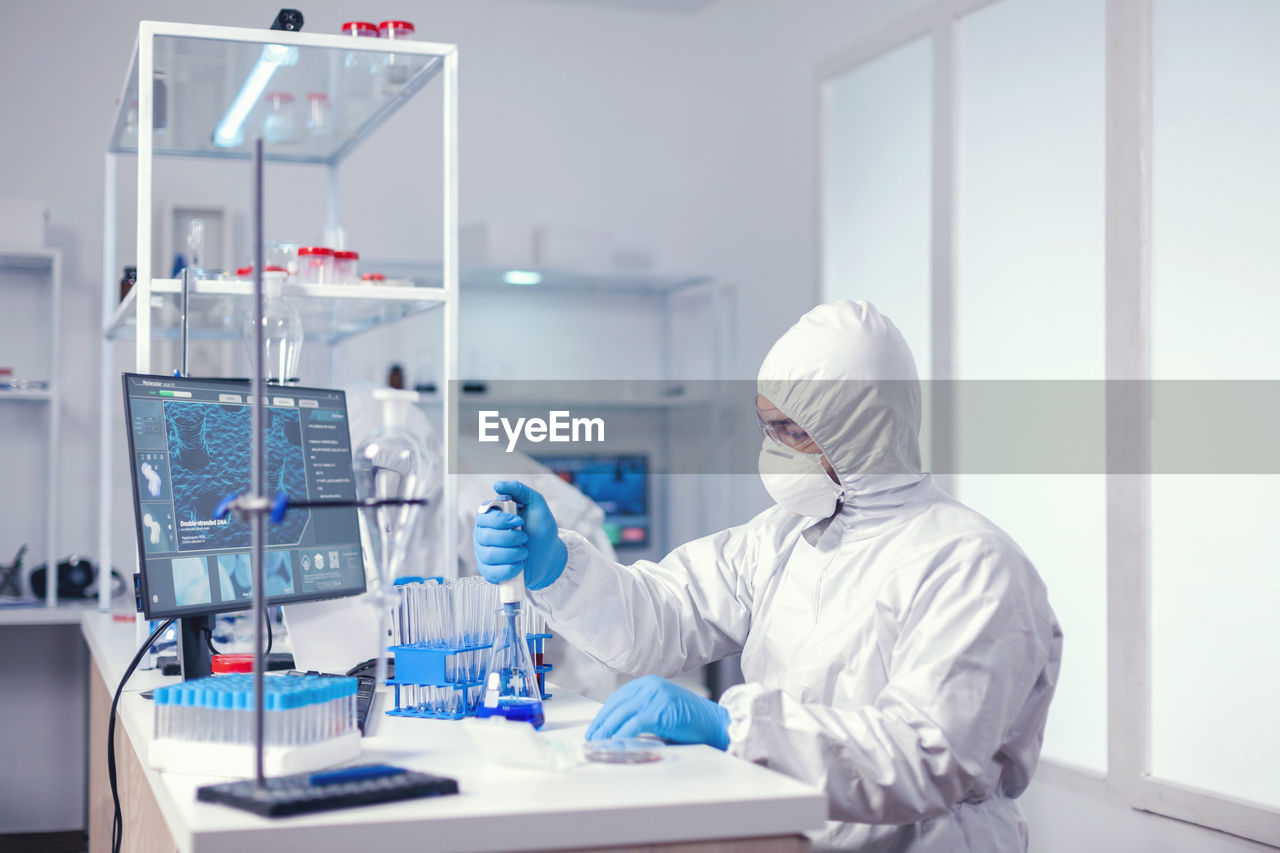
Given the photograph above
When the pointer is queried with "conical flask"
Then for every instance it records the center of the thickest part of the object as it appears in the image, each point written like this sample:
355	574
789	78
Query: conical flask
511	684
282	333
390	467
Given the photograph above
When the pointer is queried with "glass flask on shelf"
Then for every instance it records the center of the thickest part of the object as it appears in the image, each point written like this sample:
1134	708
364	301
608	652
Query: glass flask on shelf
282	333
392	470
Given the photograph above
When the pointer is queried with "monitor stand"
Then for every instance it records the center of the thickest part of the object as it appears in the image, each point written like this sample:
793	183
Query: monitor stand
193	646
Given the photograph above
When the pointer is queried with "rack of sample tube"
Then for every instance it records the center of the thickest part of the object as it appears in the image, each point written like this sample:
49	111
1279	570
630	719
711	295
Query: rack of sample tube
310	722
443	633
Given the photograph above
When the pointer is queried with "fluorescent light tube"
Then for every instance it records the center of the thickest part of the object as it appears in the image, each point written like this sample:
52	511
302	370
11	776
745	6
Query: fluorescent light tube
230	131
524	277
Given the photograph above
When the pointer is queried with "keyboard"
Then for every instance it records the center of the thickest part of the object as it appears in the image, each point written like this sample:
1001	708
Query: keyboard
344	788
364	693
364	699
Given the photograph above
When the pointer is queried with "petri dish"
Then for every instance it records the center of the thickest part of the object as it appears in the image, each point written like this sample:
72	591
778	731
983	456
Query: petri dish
623	750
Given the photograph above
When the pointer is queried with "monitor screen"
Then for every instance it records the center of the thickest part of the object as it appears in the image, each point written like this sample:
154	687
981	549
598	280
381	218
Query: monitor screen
189	447
619	484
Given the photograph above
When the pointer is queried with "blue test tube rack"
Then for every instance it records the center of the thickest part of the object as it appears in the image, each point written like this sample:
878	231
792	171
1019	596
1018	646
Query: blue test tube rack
425	666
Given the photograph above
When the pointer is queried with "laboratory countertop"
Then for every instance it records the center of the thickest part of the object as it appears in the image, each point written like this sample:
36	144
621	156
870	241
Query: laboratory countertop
695	793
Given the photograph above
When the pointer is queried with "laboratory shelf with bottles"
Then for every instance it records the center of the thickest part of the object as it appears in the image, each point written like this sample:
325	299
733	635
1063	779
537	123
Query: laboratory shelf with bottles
314	98
29	404
331	313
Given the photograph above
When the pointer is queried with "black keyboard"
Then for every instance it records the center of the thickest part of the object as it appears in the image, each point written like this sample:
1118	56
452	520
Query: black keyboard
364	699
344	788
364	693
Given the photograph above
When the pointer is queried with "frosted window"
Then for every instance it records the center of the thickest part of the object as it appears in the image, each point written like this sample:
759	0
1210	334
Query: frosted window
1215	563
1030	305
876	168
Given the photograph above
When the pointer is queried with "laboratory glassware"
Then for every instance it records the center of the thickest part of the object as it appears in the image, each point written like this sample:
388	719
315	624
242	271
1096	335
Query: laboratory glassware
398	65
623	750
219	708
282	254
318	112
393	476
511	684
280	125
315	265
282	331
344	267
360	80
195	248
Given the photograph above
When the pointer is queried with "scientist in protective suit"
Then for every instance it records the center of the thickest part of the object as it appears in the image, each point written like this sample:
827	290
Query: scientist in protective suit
898	648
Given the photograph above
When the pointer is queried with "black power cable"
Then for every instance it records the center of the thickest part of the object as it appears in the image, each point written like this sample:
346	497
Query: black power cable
117	819
208	637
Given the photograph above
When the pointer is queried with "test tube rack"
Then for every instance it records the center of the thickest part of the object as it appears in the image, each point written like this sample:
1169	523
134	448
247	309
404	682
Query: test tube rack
206	726
434	667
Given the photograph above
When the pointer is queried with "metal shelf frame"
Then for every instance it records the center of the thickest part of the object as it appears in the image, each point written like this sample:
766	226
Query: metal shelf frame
442	63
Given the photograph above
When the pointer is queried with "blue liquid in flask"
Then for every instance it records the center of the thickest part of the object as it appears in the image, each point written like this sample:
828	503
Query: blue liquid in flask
511	688
516	708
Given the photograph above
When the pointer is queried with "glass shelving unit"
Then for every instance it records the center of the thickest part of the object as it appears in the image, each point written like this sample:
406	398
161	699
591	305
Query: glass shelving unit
200	71
45	265
603	282
331	313
210	97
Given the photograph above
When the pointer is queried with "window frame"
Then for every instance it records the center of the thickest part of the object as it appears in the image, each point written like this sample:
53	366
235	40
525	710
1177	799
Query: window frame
1128	98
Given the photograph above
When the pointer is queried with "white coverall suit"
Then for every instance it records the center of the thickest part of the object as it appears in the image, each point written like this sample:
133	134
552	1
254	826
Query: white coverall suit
900	655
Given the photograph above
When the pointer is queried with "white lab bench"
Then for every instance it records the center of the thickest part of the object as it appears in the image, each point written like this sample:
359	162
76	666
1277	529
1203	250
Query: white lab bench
696	799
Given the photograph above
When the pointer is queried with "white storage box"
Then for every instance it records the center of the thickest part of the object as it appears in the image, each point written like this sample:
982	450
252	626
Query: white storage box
236	760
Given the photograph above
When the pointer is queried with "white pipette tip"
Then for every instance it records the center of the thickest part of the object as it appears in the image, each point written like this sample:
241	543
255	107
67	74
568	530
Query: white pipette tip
512	591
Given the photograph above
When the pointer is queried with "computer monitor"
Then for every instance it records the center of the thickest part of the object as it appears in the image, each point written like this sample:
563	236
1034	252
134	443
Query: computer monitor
189	447
619	484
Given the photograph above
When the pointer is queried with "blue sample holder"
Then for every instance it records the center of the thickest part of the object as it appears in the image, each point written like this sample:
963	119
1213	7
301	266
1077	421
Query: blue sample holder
429	666
424	666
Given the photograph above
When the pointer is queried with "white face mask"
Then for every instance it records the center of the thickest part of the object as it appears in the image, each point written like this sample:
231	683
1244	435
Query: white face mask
797	481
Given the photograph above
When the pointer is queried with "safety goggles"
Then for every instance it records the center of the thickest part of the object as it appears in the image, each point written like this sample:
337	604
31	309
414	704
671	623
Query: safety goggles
783	431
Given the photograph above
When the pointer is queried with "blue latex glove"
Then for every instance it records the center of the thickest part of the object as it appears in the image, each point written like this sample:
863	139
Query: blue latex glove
655	705
503	551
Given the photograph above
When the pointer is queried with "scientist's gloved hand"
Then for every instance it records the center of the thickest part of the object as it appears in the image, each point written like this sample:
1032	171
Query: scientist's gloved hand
503	551
655	705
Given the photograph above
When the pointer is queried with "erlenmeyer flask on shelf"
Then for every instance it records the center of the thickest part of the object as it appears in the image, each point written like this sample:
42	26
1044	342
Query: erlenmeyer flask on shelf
282	333
390	467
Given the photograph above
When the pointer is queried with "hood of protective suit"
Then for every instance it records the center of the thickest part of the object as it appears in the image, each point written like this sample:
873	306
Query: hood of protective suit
845	374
